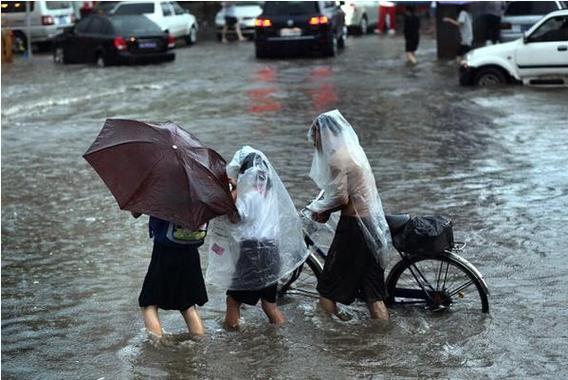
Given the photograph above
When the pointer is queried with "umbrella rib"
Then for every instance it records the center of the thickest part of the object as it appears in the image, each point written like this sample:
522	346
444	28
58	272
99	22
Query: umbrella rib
115	145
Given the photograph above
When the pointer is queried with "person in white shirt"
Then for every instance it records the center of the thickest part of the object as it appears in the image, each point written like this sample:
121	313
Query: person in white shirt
464	23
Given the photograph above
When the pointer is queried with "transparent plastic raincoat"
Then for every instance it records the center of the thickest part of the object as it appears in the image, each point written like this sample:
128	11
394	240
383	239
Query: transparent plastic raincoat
340	168
267	243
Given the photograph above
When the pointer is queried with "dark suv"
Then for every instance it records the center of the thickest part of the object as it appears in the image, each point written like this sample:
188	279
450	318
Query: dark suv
292	26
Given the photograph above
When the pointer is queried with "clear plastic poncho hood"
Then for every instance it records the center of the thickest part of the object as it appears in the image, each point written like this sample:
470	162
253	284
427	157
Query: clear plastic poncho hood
267	244
340	168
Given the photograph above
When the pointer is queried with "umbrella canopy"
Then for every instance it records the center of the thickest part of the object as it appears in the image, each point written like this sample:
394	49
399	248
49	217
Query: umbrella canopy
160	169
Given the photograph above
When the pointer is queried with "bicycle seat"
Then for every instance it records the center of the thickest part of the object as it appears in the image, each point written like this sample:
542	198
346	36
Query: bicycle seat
397	222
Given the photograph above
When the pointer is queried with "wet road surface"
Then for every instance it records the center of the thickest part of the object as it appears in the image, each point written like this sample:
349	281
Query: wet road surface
492	160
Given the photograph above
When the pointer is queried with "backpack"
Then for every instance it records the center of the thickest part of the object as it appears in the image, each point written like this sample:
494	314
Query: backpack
173	235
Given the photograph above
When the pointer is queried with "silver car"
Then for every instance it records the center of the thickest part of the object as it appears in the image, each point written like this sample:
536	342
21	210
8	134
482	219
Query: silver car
520	16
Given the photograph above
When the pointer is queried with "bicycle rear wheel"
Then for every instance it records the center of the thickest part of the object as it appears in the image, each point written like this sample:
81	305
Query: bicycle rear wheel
303	280
441	282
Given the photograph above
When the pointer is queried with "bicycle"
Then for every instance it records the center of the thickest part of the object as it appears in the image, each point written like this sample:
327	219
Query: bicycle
436	281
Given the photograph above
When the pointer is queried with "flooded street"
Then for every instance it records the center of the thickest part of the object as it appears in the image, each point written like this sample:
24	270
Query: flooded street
492	160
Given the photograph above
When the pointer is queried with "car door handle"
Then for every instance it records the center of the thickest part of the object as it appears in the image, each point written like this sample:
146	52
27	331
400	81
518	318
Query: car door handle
562	48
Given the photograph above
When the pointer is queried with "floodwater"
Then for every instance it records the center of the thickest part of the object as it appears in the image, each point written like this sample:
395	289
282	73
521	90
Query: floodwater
492	160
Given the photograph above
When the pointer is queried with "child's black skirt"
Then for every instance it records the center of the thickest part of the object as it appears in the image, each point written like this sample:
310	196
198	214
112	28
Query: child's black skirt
174	280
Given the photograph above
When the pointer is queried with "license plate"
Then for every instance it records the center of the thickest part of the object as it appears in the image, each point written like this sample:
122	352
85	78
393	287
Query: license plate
147	45
290	32
62	20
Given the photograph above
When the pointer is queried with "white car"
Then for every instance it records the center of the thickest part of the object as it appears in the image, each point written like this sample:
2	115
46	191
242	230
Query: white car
539	58
168	15
361	16
47	19
247	12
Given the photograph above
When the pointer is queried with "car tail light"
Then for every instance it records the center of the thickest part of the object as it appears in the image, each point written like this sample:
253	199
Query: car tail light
47	20
119	43
263	23
505	25
318	20
171	42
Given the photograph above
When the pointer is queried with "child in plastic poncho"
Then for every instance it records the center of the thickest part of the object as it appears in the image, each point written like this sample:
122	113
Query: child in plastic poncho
257	231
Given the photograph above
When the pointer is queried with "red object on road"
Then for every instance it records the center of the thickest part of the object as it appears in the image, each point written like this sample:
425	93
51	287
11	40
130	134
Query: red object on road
160	169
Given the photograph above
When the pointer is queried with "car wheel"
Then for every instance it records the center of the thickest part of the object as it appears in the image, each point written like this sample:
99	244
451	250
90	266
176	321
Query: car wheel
59	55
341	41
260	52
330	50
191	37
363	25
19	42
489	76
100	60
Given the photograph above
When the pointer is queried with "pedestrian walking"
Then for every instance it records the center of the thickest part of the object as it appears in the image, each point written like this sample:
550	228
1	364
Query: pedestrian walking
231	21
464	23
355	263
411	33
262	243
174	280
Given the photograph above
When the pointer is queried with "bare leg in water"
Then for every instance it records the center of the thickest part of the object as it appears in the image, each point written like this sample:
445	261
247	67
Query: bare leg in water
152	320
233	314
378	310
193	321
273	313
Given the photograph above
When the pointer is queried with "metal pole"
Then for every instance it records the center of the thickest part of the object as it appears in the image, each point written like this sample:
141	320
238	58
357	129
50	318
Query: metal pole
28	30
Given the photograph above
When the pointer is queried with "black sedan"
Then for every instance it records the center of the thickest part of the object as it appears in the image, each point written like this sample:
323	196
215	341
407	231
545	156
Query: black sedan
294	26
105	40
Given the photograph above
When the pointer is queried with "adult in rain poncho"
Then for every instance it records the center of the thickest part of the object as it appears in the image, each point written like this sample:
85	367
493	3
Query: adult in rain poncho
355	264
249	256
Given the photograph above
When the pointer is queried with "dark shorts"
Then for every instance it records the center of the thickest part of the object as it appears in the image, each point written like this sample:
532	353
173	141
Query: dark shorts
256	257
463	49
351	270
251	297
231	21
174	280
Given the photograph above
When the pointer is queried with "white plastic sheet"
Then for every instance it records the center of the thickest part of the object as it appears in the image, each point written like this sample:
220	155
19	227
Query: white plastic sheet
267	243
341	169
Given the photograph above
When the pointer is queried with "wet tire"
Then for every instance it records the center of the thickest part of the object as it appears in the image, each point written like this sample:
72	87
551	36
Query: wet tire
303	280
363	25
19	42
330	50
260	53
436	283
100	60
59	55
191	37
489	76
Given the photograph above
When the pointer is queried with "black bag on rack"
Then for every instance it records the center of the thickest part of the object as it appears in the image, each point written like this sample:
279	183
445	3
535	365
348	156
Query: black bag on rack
424	235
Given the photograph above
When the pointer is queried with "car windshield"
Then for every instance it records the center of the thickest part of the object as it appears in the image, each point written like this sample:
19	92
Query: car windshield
58	4
134	25
134	9
290	7
528	8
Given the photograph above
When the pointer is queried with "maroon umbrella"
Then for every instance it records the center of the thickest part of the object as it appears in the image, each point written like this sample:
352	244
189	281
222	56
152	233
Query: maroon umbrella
161	170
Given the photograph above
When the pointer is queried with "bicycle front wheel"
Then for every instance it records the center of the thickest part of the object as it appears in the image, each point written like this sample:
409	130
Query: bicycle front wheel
303	280
436	283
